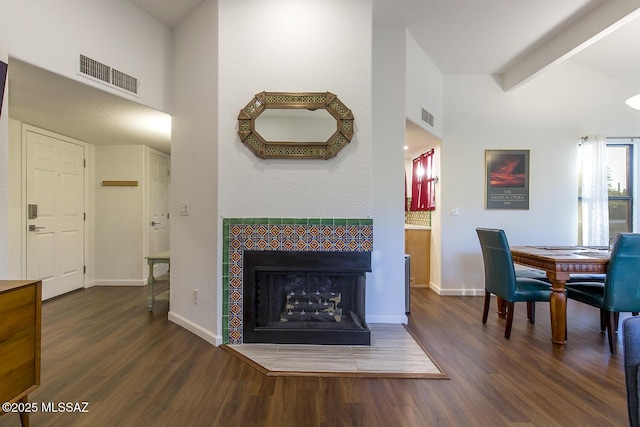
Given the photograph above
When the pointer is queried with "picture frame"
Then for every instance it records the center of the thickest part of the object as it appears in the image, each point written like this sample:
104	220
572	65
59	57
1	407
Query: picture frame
507	179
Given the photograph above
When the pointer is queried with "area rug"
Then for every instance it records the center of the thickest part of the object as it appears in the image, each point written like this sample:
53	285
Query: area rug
393	353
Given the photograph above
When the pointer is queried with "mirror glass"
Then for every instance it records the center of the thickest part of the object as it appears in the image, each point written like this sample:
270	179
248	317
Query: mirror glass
295	125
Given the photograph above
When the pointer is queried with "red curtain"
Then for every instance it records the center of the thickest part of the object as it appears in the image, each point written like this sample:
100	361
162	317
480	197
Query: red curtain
423	185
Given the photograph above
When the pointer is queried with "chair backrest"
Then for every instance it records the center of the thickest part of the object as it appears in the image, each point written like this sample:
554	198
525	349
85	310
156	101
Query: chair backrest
631	340
622	284
499	273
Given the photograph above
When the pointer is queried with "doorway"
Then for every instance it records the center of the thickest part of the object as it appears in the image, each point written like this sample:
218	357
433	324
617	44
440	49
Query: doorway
55	200
423	227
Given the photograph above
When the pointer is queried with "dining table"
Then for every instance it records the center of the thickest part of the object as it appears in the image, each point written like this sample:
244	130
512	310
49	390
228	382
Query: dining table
559	263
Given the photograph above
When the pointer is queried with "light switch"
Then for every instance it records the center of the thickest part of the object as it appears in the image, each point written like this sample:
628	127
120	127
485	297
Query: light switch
455	211
184	208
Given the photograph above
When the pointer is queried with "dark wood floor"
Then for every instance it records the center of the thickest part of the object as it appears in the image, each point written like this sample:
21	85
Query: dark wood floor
101	346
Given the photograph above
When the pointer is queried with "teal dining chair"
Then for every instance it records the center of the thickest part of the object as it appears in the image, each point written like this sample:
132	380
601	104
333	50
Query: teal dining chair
620	291
500	278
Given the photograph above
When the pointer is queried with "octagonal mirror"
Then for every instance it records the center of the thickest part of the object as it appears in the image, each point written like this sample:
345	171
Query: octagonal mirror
294	125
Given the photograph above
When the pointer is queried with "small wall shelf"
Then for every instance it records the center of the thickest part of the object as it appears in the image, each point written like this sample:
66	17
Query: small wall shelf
119	183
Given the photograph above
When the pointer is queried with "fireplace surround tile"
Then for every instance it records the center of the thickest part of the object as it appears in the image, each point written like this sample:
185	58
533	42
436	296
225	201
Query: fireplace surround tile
282	234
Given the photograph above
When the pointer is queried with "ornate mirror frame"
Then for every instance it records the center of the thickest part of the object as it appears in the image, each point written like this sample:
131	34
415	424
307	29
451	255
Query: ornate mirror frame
295	150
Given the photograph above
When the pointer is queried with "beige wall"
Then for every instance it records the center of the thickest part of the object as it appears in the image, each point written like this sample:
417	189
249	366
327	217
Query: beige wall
52	35
119	219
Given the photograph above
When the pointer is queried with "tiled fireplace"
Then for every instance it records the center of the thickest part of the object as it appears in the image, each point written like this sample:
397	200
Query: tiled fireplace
279	235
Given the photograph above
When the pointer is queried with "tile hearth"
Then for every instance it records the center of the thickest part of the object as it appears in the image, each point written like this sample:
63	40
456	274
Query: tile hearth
393	354
280	234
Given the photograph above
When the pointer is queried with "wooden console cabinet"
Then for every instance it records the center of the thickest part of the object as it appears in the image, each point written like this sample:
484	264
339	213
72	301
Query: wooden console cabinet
417	243
20	328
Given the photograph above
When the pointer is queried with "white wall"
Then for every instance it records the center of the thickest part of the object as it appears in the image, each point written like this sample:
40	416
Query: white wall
293	46
119	216
548	116
424	88
388	178
194	175
16	232
299	53
52	35
220	177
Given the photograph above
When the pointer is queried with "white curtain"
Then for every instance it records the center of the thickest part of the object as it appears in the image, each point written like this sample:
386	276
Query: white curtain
595	201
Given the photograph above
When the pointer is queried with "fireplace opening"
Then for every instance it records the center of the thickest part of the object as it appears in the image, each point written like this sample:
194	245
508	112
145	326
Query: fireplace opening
305	297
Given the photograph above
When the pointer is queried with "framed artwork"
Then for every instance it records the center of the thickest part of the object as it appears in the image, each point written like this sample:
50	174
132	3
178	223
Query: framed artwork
507	179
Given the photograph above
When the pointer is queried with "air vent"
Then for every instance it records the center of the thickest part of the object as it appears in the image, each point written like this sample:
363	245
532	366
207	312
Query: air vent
427	117
95	69
105	74
124	81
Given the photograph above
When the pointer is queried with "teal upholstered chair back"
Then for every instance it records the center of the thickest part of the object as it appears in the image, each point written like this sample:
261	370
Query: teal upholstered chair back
499	274
622	285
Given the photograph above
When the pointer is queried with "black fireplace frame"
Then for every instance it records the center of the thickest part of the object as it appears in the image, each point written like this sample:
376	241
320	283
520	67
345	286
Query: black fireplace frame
355	263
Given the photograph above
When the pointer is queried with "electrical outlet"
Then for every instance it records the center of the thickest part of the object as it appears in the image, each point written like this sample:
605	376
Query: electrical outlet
195	296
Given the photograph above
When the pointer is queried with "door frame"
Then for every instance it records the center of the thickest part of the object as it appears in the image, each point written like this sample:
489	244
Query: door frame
87	252
146	209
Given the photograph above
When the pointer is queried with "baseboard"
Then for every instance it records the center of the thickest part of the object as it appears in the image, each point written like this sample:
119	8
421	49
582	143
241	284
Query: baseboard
461	292
203	333
120	282
456	292
387	319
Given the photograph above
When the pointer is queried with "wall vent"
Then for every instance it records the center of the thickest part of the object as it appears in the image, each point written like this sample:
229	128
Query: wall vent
95	69
124	81
105	74
427	117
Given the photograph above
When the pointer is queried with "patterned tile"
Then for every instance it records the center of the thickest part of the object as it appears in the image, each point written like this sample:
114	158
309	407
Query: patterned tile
281	234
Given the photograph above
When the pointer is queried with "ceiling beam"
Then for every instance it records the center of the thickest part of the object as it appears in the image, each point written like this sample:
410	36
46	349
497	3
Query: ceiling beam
597	24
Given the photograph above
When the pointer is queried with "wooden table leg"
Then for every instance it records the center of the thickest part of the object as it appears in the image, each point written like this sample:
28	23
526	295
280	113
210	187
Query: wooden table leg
150	282
502	307
24	416
558	309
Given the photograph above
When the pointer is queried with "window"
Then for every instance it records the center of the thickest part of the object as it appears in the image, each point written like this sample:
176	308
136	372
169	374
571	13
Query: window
423	192
620	189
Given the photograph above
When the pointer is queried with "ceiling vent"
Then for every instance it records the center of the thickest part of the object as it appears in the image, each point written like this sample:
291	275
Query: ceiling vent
427	117
105	74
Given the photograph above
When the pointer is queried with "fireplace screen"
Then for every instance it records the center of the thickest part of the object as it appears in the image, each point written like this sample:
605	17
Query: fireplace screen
308	300
290	299
303	306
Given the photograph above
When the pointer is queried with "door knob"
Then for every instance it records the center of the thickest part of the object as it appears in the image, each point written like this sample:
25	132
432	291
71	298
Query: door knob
154	223
33	227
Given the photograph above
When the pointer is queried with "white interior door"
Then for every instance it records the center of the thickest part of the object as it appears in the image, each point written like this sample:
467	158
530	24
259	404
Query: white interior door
55	226
159	203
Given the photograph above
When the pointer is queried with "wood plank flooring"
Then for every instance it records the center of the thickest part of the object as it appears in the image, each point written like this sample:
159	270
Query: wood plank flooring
136	368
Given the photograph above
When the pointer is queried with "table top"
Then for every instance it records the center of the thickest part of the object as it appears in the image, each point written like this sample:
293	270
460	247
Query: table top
566	259
160	256
9	285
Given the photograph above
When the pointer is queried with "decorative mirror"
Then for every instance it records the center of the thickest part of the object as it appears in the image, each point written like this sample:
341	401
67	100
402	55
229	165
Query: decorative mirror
299	147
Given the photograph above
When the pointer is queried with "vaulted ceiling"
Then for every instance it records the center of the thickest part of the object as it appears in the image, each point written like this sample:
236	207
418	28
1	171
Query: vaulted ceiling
514	39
